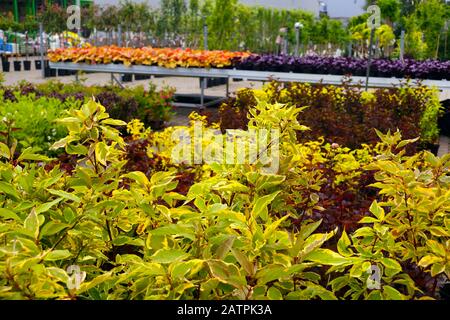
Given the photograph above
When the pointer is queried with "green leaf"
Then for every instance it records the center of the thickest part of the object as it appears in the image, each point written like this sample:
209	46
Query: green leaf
101	152
375	295
206	288
47	206
308	229
304	233
273	227
406	142
270	273
225	247
431	158
364	232
274	294
368	220
243	261
169	255
65	195
437	268
427	260
123	240
377	210
181	269
438	231
4	151
78	149
52	228
50	181
60	143
343	245
436	248
314	290
31	223
95	282
28	154
57	255
392	294
151	269
186	231
9	214
328	257
340	282
227	273
114	122
9	190
58	273
391	264
313	242
139	177
356	270
260	206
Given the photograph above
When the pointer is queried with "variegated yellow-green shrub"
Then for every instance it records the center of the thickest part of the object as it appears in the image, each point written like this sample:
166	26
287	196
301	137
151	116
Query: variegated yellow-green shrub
102	232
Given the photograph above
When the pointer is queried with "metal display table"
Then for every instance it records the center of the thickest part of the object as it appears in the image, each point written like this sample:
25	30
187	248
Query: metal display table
202	73
151	70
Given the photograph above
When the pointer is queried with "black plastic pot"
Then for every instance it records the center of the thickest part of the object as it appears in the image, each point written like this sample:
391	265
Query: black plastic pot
48	72
17	65
6	65
127	77
38	64
432	147
210	82
27	65
155	124
444	119
86	33
141	77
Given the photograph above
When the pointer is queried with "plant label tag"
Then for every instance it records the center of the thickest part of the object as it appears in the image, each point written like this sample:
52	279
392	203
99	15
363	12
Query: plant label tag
374	21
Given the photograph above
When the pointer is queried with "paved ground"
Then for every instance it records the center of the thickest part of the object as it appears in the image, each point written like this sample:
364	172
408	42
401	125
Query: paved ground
444	146
182	85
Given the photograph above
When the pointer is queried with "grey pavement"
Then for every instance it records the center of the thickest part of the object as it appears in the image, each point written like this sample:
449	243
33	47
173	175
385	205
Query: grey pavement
182	85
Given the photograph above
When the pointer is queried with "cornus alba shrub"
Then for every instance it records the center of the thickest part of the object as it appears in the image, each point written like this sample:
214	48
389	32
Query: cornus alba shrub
346	114
235	233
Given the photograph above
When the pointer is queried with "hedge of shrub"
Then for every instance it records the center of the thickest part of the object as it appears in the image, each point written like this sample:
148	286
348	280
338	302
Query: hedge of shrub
28	111
160	230
347	115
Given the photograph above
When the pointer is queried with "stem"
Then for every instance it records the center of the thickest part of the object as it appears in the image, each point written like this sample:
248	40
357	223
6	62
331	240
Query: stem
78	254
108	228
65	234
270	143
434	286
374	243
410	219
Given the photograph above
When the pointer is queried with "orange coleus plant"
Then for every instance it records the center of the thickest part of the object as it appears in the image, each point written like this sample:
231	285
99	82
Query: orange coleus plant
163	57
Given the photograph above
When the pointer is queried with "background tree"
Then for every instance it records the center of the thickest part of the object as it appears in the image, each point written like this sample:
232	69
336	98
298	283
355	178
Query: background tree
390	10
171	20
222	23
429	17
53	17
